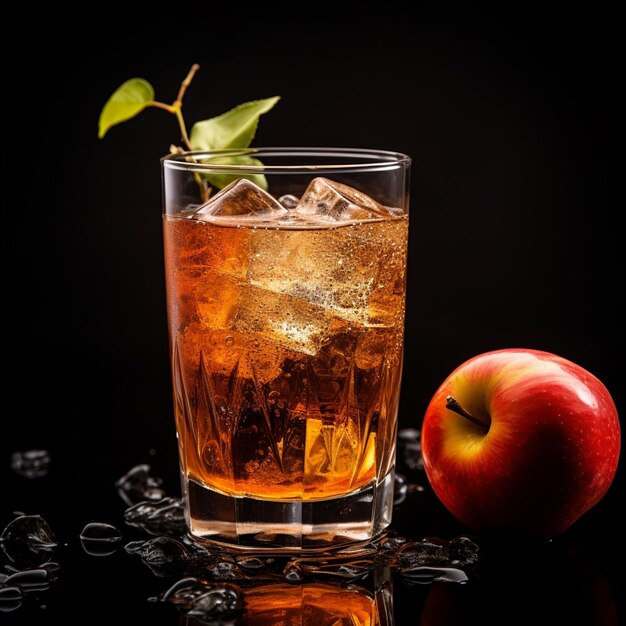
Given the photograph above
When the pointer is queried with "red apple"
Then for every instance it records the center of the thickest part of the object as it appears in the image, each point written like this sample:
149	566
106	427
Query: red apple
520	440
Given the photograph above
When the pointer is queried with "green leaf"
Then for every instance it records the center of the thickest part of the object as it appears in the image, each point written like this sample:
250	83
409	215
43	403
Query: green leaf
233	129
221	180
128	100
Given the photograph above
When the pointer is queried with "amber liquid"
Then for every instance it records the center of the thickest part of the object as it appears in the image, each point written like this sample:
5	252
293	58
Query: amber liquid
286	354
313	604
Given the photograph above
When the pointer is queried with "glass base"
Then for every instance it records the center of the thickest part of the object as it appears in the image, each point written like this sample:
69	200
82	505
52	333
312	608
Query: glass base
243	522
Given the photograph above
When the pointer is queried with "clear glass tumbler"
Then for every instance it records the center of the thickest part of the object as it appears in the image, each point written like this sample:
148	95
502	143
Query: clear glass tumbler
285	271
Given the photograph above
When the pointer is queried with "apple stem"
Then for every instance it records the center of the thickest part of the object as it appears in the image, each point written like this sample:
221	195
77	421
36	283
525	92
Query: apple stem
454	405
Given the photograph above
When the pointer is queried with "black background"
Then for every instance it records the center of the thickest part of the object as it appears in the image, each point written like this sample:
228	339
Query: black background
513	123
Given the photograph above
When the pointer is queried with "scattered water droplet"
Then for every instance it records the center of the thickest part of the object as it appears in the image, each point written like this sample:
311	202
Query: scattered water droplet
432	560
463	551
251	565
165	516
10	599
391	544
229	341
163	555
401	488
30	579
138	485
100	539
225	571
350	571
217	605
293	573
409	449
424	574
183	590
31	463
51	566
28	540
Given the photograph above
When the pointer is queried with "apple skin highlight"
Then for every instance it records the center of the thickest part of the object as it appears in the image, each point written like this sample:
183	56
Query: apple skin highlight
548	450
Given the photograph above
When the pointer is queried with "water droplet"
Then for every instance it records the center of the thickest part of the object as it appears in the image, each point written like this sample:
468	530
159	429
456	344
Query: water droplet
183	590
31	463
225	571
100	539
293	573
163	555
28	540
10	599
391	543
30	579
138	485
401	488
229	341
463	551
410	449
219	604
348	571
250	564
165	516
424	574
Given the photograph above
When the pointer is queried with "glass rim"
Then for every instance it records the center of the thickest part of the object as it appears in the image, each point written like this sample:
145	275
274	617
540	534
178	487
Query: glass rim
357	160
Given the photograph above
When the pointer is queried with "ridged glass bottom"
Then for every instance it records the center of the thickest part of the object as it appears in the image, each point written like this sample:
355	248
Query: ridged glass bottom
288	525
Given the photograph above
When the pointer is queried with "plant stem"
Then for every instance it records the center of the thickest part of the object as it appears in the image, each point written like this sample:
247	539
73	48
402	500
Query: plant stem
161	105
183	86
177	106
183	129
454	405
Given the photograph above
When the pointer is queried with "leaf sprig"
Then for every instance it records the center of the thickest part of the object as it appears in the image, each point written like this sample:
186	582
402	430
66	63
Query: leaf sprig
234	129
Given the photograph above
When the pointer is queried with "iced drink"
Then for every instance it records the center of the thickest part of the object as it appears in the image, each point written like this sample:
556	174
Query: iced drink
286	329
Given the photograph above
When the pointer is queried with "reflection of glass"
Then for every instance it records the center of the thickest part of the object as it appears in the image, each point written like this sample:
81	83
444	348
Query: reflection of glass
286	313
319	604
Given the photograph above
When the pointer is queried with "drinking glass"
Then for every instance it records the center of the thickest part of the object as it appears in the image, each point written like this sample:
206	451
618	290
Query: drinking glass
285	275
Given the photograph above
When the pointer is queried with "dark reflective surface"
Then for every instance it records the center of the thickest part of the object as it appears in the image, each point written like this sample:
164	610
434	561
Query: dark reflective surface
97	556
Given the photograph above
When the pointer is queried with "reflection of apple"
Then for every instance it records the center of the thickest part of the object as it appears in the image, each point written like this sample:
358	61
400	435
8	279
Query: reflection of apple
520	440
523	585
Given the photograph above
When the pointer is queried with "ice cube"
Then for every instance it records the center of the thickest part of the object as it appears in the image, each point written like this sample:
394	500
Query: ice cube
241	199
331	201
289	321
339	269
